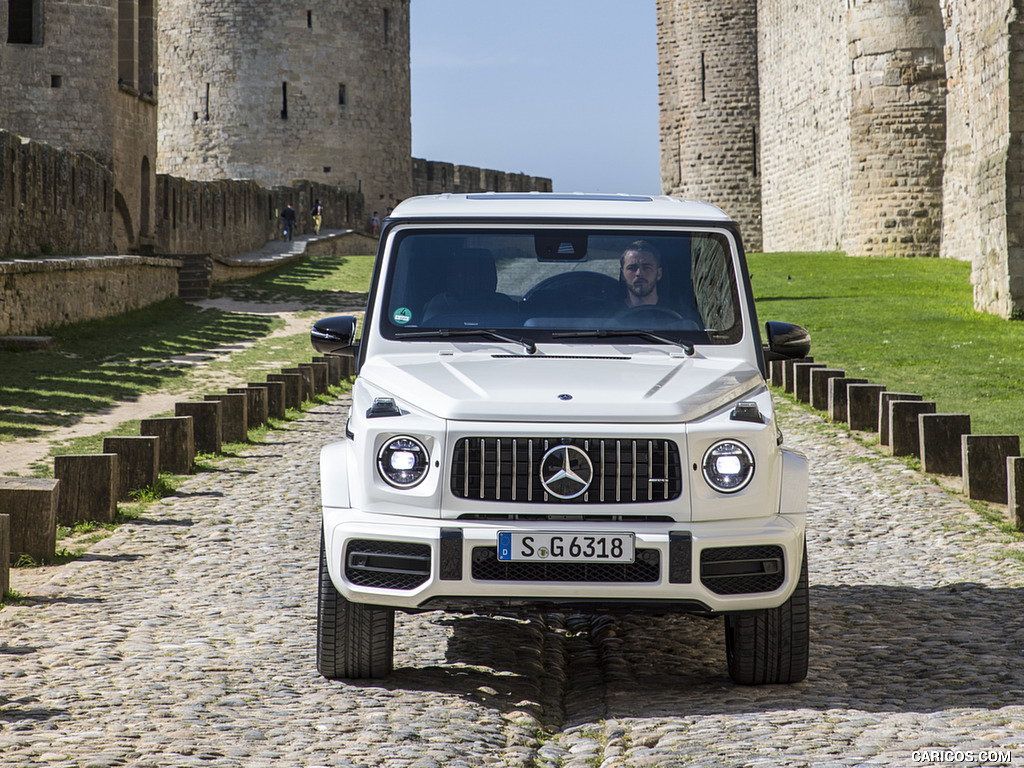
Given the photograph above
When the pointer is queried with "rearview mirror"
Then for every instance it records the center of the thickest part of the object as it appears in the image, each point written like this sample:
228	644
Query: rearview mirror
335	335
786	341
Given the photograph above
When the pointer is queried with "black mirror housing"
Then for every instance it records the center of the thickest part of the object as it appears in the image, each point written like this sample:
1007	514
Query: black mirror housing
335	335
786	341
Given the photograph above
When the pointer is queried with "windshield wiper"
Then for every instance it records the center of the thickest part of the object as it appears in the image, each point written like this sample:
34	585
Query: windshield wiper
529	344
603	333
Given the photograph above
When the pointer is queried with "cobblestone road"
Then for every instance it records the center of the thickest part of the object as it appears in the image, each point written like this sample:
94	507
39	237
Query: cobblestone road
186	639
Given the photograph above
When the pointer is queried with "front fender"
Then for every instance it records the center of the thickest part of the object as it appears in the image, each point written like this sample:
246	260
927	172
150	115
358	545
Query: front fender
335	459
794	483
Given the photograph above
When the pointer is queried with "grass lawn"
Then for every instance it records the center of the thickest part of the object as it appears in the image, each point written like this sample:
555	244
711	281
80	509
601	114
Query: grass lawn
906	323
94	365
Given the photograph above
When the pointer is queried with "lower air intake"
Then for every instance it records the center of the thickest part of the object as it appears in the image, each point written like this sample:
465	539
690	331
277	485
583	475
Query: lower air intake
646	568
387	564
742	570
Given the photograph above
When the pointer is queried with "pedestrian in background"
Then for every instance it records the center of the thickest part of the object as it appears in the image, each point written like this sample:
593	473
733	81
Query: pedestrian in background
289	222
318	216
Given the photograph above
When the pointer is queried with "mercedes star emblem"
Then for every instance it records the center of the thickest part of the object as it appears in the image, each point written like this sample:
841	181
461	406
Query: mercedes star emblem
566	472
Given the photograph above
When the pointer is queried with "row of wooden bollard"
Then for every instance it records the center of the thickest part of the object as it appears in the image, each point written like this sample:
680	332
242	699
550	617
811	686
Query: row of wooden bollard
87	487
990	466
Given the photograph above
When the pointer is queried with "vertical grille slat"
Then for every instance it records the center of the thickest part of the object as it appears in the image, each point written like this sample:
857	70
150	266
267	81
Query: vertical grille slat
508	469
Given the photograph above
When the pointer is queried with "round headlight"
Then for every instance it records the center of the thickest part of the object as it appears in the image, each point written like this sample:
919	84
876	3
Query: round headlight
728	466
403	462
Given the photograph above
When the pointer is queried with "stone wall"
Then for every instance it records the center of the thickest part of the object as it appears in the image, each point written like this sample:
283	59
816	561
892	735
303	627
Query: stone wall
75	86
982	193
72	63
708	89
223	218
897	128
36	294
276	92
430	177
805	124
53	200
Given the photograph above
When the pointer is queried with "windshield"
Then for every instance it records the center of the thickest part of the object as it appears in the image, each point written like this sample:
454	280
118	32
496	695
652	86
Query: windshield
558	283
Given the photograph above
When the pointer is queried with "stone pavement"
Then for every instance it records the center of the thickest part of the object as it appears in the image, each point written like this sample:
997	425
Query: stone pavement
187	639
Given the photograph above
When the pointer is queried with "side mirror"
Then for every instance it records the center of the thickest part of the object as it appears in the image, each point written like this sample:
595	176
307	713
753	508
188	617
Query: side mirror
335	335
786	341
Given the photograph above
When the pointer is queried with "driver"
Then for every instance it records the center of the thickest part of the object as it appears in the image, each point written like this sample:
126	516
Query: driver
641	272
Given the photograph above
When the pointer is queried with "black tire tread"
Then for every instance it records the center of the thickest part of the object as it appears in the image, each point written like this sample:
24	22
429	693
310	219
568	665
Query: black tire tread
353	641
771	646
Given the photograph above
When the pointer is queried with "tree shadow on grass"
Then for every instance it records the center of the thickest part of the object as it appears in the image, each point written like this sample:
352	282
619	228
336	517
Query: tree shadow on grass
95	365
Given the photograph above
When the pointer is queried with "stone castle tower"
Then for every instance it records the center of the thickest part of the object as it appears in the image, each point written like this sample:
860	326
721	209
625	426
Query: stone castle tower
100	55
880	127
278	92
708	89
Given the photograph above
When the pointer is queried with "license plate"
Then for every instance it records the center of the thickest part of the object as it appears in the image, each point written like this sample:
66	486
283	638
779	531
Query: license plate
566	547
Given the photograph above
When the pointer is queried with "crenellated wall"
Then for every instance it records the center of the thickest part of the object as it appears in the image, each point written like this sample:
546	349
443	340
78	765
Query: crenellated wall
56	201
431	177
223	218
53	200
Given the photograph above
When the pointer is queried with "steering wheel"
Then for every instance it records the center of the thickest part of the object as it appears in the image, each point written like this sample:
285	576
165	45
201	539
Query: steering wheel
574	285
650	312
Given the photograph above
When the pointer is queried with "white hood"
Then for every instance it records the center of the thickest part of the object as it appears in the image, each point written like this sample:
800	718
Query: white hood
647	386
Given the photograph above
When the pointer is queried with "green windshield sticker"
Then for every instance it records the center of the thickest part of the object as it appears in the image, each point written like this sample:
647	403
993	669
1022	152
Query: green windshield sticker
402	316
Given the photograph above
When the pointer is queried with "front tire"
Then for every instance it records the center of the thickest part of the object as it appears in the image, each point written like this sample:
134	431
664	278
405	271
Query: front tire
771	645
353	640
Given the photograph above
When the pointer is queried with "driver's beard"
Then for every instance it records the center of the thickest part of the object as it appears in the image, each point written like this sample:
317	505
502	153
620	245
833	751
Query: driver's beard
642	291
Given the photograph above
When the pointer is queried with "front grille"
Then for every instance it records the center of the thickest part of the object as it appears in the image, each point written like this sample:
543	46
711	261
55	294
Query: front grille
645	568
742	570
387	564
562	518
625	471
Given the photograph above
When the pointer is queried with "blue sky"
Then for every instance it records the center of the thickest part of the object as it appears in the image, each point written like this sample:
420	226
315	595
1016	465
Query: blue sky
566	89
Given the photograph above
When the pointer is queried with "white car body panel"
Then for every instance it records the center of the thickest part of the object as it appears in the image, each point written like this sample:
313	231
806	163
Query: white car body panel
625	391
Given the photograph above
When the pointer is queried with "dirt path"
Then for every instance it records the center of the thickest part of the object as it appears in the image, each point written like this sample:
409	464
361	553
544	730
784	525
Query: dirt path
19	456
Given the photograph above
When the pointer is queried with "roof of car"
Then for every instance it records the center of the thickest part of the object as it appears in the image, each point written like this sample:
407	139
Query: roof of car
556	204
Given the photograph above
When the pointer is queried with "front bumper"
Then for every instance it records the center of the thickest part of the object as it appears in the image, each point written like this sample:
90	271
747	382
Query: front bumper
448	564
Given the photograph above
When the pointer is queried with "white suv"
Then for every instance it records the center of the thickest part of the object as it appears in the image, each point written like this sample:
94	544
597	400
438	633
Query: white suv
561	405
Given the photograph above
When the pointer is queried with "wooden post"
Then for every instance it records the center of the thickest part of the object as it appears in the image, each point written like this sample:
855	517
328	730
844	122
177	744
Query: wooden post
1015	491
904	433
838	389
984	465
802	380
334	368
884	398
234	425
138	463
292	388
5	554
275	398
31	504
207	423
306	374
862	406
177	442
321	376
819	386
788	384
88	483
940	442
255	404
